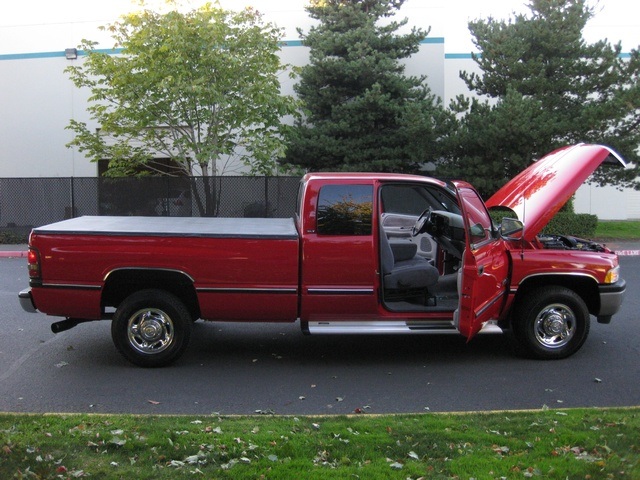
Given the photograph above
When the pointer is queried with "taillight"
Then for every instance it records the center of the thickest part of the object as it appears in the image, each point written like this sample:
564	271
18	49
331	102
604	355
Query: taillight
33	263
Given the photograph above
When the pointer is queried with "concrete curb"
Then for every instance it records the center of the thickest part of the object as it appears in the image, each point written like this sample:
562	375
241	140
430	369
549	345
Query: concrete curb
628	253
13	254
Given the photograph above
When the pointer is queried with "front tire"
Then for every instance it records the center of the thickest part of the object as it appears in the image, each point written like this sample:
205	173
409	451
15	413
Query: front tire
151	328
551	323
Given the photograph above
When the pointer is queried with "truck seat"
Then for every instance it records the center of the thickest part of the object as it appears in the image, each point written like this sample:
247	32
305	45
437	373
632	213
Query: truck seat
409	271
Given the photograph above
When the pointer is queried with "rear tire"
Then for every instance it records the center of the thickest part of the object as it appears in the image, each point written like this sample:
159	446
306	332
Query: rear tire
151	328
551	323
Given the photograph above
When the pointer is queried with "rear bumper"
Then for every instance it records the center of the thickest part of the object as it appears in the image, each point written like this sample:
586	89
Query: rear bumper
26	301
611	296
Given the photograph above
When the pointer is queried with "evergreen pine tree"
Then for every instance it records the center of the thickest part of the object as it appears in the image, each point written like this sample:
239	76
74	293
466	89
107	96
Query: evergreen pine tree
544	87
362	112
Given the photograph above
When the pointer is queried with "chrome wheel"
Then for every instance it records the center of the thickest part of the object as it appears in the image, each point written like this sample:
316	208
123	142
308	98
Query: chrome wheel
150	331
151	328
550	323
555	326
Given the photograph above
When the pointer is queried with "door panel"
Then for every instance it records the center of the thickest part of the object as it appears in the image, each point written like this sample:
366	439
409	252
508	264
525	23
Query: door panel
339	260
485	266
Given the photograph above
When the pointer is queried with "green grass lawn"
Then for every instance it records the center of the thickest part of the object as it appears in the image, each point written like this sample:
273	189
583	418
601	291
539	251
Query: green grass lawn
558	444
618	230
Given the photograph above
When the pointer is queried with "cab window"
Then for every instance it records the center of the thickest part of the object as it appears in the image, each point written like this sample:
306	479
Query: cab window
345	210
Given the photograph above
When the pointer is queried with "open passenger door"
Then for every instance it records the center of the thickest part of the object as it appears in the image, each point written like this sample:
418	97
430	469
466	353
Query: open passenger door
483	280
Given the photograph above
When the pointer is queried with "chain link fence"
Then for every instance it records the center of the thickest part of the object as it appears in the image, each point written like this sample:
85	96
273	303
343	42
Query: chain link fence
29	202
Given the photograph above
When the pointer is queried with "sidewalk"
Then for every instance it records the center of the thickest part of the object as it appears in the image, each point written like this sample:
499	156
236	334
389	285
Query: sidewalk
622	248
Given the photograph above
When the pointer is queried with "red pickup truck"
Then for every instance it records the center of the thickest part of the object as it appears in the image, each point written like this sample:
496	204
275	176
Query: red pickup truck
364	253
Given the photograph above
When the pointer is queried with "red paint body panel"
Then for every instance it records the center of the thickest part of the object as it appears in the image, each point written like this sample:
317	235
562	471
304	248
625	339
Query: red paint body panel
485	266
338	275
68	302
229	273
561	262
540	191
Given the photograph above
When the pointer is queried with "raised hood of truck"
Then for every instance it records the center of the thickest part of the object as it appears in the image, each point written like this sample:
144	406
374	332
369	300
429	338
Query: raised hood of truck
537	193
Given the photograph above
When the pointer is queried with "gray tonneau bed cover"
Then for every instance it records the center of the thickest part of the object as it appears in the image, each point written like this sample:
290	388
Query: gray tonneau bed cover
272	228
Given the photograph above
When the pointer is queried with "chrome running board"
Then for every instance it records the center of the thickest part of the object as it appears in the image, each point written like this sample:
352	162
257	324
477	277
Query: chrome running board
388	327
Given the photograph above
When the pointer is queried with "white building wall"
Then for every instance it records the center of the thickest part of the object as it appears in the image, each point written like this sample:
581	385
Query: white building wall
37	100
608	203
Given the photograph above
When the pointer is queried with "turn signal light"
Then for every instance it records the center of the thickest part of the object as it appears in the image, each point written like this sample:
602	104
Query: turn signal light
613	275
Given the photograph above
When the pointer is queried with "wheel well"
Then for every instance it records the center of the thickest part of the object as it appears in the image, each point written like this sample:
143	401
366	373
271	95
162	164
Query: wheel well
585	287
119	284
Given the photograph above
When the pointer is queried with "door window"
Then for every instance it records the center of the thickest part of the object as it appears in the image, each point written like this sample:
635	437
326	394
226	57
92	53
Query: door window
479	221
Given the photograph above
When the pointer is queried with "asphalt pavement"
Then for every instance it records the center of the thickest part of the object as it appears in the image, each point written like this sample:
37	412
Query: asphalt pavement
247	368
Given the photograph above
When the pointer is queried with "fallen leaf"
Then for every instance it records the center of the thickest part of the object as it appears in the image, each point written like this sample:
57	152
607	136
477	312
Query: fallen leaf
396	466
501	450
61	364
153	402
193	459
117	441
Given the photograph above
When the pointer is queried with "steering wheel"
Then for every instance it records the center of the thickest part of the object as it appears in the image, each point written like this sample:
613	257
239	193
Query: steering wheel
421	222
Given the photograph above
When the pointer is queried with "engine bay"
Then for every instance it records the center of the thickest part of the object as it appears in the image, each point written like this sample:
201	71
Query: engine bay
566	242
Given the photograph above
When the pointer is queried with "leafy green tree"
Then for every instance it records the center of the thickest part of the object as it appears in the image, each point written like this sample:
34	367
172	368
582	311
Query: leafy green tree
361	111
541	86
199	88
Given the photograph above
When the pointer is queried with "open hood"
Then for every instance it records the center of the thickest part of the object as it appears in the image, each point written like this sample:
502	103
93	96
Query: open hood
537	193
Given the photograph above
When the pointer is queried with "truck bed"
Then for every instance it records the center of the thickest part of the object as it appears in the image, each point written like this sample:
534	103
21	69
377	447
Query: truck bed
239	268
254	228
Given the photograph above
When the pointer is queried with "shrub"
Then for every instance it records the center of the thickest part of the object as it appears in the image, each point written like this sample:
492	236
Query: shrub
581	225
9	237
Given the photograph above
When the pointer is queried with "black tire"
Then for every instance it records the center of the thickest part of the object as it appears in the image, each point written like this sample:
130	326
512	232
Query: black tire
550	323
151	328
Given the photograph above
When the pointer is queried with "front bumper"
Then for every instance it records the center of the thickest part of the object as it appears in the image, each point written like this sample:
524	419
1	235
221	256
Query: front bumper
611	296
26	301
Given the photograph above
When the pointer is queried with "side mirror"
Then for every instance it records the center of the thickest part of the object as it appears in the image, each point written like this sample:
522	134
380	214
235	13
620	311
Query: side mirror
511	228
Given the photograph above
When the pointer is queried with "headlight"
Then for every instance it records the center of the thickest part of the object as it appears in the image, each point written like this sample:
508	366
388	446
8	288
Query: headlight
613	275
